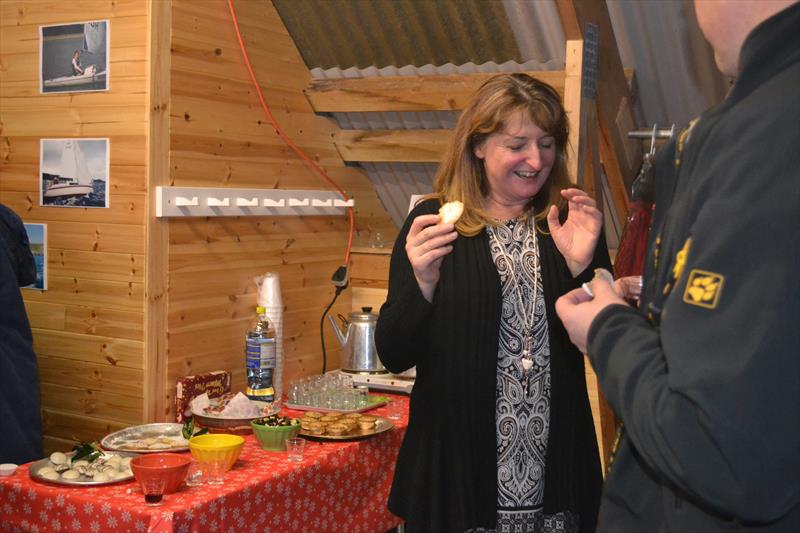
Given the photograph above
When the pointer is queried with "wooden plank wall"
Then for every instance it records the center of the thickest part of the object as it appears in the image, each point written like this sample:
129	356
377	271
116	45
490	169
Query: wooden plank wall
100	328
88	327
221	138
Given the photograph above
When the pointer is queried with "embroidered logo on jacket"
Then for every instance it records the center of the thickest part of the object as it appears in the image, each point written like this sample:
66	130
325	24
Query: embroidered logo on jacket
703	288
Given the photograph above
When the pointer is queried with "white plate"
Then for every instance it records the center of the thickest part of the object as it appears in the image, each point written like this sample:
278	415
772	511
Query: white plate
125	439
83	481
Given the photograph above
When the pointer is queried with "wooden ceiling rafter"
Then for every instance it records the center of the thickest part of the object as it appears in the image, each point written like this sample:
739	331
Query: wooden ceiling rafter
405	94
412	93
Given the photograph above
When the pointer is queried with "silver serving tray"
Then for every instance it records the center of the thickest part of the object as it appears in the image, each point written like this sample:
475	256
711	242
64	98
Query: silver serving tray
373	402
381	425
121	440
216	421
83	481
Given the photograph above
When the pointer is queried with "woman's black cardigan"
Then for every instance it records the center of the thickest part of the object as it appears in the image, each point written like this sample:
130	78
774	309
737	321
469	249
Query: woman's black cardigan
446	473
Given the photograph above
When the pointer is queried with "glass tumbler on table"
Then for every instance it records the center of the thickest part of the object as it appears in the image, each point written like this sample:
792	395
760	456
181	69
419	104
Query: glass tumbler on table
196	475
153	489
394	409
295	447
215	471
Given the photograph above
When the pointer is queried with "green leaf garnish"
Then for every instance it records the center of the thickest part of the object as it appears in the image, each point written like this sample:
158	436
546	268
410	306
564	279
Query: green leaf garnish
86	450
188	429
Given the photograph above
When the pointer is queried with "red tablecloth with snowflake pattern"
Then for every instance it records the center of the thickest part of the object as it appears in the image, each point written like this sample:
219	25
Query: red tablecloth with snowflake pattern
338	486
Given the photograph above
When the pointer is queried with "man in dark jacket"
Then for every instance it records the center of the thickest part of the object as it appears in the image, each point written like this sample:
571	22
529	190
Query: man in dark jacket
19	374
706	375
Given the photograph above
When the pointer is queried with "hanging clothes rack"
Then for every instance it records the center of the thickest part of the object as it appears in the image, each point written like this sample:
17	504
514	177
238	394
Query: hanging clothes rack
652	133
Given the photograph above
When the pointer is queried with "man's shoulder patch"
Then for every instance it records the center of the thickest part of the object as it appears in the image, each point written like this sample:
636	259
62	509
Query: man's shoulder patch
703	288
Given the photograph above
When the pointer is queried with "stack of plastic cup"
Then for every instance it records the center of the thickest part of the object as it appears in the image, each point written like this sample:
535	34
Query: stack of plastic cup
269	297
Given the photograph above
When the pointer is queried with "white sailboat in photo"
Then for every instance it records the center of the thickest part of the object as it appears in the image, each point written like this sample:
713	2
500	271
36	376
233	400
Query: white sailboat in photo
74	178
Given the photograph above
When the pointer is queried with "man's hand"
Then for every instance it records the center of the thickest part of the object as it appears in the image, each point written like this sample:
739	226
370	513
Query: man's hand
577	309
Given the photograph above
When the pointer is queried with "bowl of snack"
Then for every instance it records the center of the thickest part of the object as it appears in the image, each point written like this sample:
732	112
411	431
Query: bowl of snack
273	431
170	467
229	410
215	447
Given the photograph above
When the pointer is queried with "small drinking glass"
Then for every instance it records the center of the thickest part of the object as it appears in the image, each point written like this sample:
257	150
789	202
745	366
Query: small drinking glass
295	448
153	489
196	475
362	396
395	409
630	288
215	471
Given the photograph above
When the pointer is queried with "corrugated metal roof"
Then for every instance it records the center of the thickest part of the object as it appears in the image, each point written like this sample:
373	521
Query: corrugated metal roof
675	71
364	33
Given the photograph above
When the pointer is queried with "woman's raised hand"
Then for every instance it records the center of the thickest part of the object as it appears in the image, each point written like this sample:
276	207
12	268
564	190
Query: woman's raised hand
577	237
426	245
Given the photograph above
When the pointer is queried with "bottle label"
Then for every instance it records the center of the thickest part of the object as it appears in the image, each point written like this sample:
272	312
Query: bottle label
260	353
260	360
264	395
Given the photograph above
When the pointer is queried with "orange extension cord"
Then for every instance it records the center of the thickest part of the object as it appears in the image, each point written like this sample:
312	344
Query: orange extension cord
315	167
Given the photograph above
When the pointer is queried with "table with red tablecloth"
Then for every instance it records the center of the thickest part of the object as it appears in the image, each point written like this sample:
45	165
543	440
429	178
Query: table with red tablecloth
338	486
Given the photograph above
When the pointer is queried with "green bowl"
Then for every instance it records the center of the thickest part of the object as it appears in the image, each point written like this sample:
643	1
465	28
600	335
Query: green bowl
274	438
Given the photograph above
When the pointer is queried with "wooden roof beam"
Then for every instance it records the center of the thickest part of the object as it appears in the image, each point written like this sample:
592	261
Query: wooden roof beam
410	93
406	93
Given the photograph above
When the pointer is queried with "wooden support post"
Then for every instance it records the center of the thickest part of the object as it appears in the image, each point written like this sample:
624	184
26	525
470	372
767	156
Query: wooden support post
601	131
157	392
621	156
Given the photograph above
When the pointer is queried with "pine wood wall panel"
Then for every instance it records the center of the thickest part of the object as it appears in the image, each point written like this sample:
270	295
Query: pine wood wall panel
88	348
116	323
92	403
64	427
98	265
221	138
89	320
99	377
88	327
125	286
126	209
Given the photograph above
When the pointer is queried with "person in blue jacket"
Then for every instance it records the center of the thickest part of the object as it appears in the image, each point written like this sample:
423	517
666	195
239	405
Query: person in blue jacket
705	376
19	374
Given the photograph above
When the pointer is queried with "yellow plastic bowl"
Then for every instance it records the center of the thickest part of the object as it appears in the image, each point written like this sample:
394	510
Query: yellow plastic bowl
215	447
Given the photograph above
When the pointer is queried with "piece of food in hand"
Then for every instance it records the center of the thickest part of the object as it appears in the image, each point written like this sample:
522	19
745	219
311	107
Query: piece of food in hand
450	212
599	273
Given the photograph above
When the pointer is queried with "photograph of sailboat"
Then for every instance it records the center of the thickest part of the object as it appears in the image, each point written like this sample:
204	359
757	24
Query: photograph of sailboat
74	172
74	57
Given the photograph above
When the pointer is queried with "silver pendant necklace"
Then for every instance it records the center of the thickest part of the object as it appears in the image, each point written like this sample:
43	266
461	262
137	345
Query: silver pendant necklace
529	311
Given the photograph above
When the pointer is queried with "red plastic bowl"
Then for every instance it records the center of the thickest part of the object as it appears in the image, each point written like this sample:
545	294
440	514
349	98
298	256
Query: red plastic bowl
171	467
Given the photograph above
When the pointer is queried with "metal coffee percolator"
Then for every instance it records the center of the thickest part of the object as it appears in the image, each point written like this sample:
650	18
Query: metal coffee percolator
357	338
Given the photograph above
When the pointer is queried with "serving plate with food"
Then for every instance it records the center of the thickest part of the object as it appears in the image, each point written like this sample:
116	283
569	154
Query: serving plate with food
229	410
338	426
82	470
147	438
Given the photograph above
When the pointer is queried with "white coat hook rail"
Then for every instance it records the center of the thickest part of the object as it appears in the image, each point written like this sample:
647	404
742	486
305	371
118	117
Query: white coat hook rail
217	202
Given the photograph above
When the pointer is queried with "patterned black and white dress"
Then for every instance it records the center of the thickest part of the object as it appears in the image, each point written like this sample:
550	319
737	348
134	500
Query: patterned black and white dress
522	401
